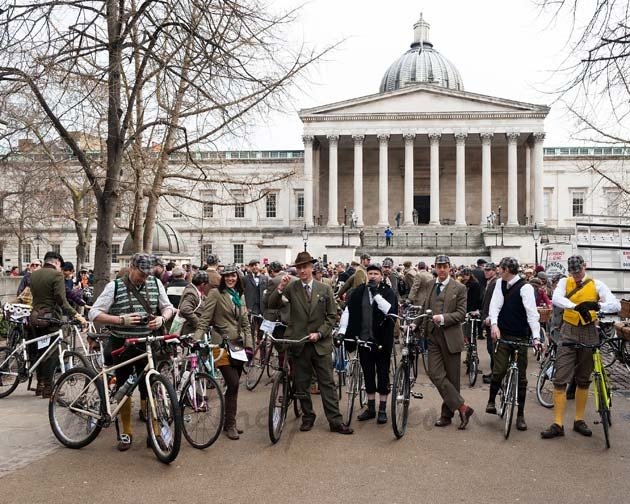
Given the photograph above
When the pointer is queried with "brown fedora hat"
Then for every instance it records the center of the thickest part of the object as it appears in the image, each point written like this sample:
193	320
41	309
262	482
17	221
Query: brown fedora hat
303	258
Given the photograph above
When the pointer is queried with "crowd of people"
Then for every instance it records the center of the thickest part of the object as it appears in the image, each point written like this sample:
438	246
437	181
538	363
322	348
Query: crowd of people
311	298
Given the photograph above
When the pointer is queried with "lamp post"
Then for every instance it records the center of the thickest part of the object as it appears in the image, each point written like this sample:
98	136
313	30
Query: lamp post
38	239
499	215
305	232
501	232
536	236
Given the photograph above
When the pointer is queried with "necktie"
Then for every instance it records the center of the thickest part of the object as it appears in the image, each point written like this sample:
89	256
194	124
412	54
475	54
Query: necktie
439	288
307	291
578	283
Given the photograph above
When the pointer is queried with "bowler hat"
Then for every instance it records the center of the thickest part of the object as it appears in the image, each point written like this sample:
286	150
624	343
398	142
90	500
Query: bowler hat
303	258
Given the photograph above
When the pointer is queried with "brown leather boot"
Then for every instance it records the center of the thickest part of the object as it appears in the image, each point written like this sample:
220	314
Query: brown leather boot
46	390
230	417
39	389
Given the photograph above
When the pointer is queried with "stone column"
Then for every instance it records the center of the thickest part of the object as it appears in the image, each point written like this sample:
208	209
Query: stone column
358	177
537	165
486	177
383	169
460	179
434	140
512	216
308	180
528	184
333	141
408	204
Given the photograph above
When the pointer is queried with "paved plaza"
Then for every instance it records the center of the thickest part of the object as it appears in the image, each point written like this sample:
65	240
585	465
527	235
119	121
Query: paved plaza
428	464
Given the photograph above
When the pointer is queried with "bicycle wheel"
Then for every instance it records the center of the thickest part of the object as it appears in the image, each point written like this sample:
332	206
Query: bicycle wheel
361	389
340	361
352	389
164	427
510	401
202	407
502	396
544	383
623	355
608	352
278	403
473	366
602	407
75	407
401	395
9	372
95	360
256	367
71	360
297	404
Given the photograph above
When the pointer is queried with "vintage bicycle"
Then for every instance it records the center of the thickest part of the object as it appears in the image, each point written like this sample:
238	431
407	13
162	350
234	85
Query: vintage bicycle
82	403
473	320
261	360
508	394
16	365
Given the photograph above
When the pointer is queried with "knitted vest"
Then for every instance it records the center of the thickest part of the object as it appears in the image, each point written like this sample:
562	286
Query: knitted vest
513	317
120	306
587	293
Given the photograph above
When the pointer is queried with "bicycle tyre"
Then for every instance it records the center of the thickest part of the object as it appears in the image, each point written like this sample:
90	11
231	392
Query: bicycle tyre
353	384
277	407
297	405
164	431
340	371
510	399
255	367
401	396
272	359
361	390
544	385
608	353
77	386
9	373
71	359
502	396
624	354
202	422
602	408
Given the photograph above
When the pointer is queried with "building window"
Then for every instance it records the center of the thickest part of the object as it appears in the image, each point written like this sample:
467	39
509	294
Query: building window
239	210
613	202
206	250
177	214
115	252
56	248
238	253
300	204
271	205
118	213
26	253
208	210
577	203
547	203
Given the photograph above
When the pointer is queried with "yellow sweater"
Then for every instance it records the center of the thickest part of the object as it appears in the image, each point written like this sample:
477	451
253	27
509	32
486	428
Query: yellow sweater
586	293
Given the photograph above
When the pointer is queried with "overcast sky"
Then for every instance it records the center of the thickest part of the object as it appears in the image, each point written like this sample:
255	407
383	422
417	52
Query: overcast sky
501	48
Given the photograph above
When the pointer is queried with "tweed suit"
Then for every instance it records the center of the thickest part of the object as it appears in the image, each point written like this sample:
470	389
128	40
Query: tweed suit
446	342
306	317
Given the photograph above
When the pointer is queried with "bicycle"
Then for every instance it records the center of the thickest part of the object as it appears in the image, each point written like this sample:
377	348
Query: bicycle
200	398
17	315
82	403
413	311
472	357
509	386
261	359
602	388
340	363
355	384
406	372
282	393
88	350
16	365
544	383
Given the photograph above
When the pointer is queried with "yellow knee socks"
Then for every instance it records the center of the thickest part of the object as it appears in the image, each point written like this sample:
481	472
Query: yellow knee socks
125	417
559	404
581	396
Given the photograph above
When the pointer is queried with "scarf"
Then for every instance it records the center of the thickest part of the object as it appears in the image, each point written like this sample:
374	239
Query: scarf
236	298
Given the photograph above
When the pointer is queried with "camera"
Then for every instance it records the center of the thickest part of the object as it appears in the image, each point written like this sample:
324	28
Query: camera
144	320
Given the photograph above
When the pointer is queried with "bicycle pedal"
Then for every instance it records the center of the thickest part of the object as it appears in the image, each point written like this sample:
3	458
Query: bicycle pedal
417	395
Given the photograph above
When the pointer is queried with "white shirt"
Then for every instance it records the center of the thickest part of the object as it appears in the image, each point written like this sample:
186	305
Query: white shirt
528	297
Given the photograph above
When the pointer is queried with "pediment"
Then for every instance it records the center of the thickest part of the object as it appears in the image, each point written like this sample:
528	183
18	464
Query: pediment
424	99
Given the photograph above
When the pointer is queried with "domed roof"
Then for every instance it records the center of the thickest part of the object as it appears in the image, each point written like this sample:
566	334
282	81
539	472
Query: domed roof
166	242
421	64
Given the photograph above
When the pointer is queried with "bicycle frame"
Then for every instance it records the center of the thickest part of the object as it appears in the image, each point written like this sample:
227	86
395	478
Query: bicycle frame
598	369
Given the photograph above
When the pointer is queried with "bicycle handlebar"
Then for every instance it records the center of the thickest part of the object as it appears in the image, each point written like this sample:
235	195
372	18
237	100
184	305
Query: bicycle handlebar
289	341
363	343
514	343
133	341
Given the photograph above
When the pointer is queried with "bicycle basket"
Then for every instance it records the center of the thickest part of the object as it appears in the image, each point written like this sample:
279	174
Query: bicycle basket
545	314
623	330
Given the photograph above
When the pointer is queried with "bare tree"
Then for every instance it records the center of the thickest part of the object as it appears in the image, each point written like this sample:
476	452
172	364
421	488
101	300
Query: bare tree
175	73
596	70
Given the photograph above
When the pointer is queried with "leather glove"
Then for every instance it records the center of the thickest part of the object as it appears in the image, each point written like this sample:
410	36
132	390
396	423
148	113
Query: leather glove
339	339
373	287
584	313
588	305
79	318
126	320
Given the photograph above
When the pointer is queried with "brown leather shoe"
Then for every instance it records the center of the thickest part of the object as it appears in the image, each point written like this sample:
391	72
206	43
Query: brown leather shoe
465	417
443	421
342	429
307	424
553	431
232	433
491	408
520	423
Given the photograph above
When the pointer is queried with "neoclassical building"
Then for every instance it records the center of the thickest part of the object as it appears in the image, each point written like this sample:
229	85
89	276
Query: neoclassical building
421	145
